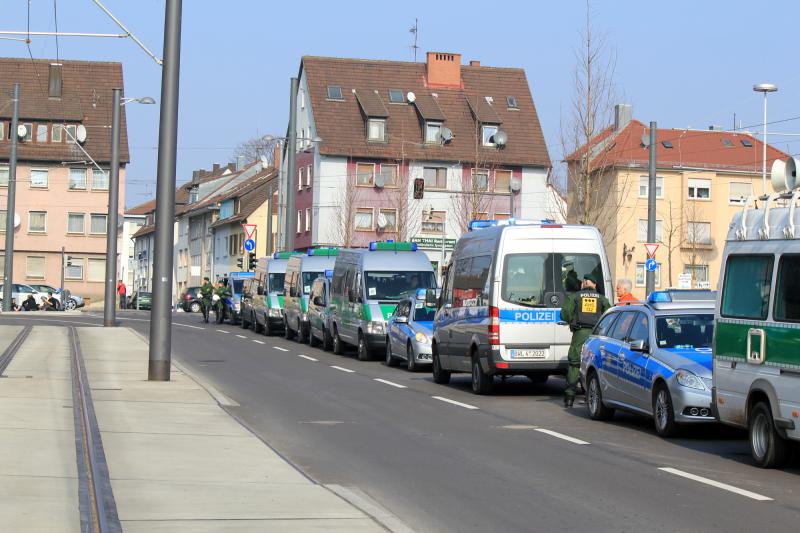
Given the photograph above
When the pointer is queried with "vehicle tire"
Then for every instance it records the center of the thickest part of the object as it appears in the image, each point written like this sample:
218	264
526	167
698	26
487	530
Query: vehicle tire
391	360
440	375
327	340
769	448
363	352
253	322
338	345
481	383
312	340
663	412
538	378
287	331
194	307
411	364
594	400
244	324
72	305
268	331
300	336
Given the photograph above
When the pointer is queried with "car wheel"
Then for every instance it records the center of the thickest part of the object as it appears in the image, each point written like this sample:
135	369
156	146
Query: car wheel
253	322
663	413
482	383
363	352
391	360
440	375
245	324
338	345
301	335
769	448
287	331
327	341
411	365
312	340
594	400
267	326
71	305
194	307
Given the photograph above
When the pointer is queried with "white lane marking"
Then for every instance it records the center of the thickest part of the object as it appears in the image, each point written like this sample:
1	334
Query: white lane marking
281	349
342	369
175	324
307	357
717	484
561	436
222	331
393	384
259	342
241	336
448	400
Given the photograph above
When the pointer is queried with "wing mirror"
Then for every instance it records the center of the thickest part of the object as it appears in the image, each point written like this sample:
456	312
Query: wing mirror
318	301
401	320
431	300
640	346
260	291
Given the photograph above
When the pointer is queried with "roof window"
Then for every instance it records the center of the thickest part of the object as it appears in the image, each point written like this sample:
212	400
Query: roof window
396	96
335	92
747	143
727	142
667	144
511	102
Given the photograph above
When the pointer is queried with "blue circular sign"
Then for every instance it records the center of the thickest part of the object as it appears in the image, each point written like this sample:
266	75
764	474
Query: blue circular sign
249	245
651	265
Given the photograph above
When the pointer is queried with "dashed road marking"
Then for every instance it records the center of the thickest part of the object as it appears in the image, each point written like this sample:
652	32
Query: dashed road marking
259	342
222	331
342	369
281	349
448	400
392	383
307	357
561	436
717	484
241	336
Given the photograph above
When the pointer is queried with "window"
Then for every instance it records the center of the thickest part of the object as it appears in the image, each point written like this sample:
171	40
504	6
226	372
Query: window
480	179
747	143
435	178
309	176
100	179
644	185
502	180
622	326
746	289
75	223
376	129
302	95
390	217
698	232
642	233
666	144
75	269
488	135
72	131
641	275
787	289
97	270
193	196
365	174
699	273
2	266
727	142
37	221
529	278
685	331
98	224
432	132
308	219
640	331
389	174
433	222
299	226
34	266
2	220
39	177
57	129
605	324
501	216
300	173
364	219
699	189
480	216
28	131
3	176
396	96
511	102
738	192
2	131
469	282
77	179
335	92
41	133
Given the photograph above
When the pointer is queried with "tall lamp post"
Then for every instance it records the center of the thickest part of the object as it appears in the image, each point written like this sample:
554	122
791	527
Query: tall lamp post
764	88
514	186
109	306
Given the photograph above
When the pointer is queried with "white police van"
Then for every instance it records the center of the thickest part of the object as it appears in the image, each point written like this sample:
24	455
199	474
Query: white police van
501	299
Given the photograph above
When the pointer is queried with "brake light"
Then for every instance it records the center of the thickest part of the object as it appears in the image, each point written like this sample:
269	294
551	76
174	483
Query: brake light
494	325
501	365
188	296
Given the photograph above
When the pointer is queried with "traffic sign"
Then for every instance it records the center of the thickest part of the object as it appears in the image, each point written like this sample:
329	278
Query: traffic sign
651	265
651	248
249	231
249	245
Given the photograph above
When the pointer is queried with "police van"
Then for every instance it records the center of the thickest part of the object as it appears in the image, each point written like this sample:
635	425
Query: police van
365	289
235	283
756	377
262	305
501	299
301	271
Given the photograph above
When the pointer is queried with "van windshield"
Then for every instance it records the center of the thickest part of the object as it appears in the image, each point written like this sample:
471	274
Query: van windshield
276	283
392	285
531	279
308	279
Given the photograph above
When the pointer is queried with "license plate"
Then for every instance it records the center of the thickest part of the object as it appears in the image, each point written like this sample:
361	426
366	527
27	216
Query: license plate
535	353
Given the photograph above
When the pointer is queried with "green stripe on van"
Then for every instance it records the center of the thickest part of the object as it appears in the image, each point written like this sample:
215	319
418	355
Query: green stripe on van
782	344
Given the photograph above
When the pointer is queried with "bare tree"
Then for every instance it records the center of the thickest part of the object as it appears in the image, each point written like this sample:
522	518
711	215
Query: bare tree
253	149
697	246
673	234
341	232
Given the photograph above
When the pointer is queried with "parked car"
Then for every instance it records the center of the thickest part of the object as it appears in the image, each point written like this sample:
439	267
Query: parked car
190	300
20	292
235	283
410	331
653	359
142	299
73	301
319	312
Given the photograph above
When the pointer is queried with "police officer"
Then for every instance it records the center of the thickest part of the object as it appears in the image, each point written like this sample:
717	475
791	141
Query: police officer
224	293
582	310
206	291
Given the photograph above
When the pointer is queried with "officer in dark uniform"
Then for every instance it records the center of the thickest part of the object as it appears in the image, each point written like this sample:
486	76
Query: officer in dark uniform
223	292
582	310
206	292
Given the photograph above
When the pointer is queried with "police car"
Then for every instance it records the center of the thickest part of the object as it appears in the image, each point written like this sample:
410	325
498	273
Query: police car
409	332
653	359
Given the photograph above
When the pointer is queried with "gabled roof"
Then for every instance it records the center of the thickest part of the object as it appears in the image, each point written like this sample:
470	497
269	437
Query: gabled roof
340	123
251	194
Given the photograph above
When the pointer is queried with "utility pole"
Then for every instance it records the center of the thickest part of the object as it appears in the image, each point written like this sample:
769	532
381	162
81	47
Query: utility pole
160	356
269	220
291	158
63	300
8	273
650	283
109	306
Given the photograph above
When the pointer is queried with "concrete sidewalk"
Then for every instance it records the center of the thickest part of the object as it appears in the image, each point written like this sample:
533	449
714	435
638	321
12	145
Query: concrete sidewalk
177	460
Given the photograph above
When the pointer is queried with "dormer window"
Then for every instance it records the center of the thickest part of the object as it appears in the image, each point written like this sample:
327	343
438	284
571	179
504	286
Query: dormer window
376	129
193	196
511	102
335	92
433	132
488	132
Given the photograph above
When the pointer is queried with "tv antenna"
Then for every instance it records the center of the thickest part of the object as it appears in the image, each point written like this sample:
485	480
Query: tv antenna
415	30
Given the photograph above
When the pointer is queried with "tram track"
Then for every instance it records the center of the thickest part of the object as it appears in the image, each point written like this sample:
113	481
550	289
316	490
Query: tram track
8	354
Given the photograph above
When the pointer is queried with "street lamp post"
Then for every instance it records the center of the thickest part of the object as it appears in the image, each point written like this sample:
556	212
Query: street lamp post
764	88
8	269
514	186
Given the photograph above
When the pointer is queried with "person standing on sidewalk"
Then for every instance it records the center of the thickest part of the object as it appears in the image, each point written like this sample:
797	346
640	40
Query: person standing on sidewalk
623	291
206	292
122	290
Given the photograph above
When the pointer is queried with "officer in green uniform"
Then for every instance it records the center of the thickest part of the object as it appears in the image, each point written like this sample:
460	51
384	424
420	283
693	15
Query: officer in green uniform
224	293
581	310
206	291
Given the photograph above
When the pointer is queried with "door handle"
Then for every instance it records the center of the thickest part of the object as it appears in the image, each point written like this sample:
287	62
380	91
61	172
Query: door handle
753	356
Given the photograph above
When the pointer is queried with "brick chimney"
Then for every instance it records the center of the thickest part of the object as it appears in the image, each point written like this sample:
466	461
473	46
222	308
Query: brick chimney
444	70
474	63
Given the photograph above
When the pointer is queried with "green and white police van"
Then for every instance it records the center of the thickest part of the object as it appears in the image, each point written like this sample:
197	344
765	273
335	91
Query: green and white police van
366	287
262	303
756	376
301	271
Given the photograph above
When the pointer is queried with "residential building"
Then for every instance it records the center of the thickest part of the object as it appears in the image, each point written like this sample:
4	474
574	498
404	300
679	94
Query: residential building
703	178
62	175
367	129
132	222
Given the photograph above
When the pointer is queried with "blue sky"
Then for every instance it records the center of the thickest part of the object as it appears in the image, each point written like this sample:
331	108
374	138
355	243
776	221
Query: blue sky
682	63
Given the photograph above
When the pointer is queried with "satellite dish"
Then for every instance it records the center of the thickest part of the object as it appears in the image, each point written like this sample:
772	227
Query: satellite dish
790	173
17	220
645	139
22	131
381	221
446	135
778	176
379	181
411	97
80	133
500	138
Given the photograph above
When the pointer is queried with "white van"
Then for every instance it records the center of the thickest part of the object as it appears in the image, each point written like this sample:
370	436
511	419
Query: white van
501	299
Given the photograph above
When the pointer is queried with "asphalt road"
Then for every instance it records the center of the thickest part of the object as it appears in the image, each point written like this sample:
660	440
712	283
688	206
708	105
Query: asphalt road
442	459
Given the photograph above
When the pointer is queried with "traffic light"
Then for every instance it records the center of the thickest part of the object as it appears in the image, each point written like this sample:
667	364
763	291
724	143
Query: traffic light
419	188
240	263
251	261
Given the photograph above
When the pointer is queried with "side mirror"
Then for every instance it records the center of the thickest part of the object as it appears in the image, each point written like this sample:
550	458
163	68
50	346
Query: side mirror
260	291
401	320
640	346
430	298
318	301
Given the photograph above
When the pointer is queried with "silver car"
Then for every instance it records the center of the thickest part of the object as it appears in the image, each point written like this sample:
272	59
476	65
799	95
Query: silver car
409	332
653	359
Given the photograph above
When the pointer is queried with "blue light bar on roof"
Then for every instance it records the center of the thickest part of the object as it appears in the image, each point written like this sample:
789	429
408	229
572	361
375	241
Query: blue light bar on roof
329	274
421	293
480	224
659	297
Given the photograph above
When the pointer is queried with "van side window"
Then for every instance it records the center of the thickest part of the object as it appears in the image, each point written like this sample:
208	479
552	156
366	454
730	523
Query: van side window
469	281
447	290
746	286
787	289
